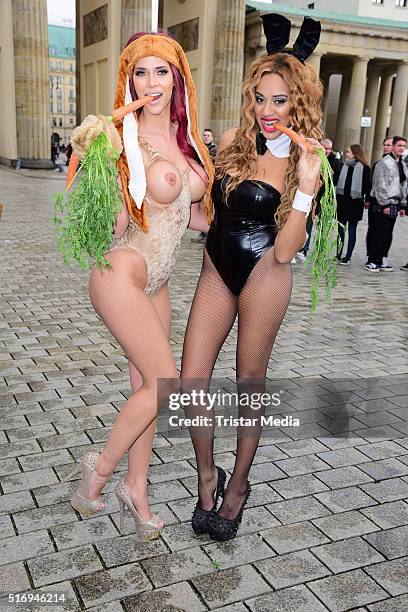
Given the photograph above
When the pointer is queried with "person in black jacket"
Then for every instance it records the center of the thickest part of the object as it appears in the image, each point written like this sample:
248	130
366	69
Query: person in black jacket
387	149
335	163
352	192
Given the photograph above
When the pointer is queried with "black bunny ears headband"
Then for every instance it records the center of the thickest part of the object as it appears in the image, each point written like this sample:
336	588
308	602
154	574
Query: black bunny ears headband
277	31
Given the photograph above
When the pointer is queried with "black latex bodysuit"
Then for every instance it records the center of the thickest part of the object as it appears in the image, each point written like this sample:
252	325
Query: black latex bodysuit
243	229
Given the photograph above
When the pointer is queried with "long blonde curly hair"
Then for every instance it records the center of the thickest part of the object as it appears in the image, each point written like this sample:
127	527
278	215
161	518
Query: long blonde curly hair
306	91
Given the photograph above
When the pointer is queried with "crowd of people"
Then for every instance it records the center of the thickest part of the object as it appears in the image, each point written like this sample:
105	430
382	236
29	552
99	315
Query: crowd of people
57	149
380	189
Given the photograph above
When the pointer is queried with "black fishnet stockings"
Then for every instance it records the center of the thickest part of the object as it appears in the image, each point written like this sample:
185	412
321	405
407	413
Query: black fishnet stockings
261	307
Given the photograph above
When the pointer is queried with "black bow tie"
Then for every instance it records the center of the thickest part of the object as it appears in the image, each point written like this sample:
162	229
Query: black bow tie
261	147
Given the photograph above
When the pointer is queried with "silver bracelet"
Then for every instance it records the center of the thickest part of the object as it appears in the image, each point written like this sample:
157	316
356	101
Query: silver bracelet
302	201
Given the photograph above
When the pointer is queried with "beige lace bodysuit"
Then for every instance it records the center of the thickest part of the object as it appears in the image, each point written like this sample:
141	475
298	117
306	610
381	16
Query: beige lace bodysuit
167	224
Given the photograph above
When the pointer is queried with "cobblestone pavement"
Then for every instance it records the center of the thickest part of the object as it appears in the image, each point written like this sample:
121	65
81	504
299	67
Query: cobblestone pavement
326	526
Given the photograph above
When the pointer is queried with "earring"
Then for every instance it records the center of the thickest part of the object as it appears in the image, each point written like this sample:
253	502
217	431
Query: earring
260	143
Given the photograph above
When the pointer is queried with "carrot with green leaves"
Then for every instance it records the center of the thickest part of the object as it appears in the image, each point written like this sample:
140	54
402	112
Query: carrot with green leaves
85	215
322	255
117	115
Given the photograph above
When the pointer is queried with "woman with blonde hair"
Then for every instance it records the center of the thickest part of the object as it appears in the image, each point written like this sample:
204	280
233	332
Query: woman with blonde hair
353	192
262	196
164	167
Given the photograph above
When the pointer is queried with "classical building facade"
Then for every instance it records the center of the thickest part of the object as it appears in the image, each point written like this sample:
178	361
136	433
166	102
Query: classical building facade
62	75
362	61
25	118
396	10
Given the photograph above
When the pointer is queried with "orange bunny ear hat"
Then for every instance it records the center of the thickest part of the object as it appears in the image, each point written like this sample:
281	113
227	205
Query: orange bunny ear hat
130	164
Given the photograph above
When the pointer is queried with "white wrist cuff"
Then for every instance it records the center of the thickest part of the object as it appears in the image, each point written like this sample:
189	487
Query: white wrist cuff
302	201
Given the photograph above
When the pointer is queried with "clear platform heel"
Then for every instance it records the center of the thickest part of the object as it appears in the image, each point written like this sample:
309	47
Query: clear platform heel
146	530
79	500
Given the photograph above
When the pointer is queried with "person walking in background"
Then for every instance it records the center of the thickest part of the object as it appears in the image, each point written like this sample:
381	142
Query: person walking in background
68	153
388	199
336	166
387	148
208	139
352	191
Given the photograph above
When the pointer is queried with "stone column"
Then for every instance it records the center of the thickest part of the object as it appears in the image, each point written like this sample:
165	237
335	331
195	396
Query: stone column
355	103
30	36
325	79
405	133
341	112
399	101
136	17
370	104
314	61
228	65
78	33
382	115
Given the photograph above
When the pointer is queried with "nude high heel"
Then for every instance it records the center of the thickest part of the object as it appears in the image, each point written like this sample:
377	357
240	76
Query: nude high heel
79	500
146	530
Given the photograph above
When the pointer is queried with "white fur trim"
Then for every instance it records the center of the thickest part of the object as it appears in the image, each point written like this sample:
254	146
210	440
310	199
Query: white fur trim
137	175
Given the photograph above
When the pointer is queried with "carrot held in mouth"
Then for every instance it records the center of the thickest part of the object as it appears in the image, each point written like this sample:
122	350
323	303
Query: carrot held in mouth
119	113
294	136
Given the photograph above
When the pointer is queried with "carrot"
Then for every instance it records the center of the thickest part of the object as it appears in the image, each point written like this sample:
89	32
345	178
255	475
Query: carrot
72	168
297	138
119	113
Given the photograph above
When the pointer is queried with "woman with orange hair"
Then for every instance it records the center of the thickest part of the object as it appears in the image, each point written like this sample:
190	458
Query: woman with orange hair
164	167
262	196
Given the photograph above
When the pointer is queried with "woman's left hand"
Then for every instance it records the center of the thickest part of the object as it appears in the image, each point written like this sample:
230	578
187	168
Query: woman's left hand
309	167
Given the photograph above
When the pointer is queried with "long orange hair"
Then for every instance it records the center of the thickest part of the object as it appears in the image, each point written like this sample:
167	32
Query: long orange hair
306	115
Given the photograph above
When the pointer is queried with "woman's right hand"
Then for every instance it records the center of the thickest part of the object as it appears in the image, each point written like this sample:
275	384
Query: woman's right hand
309	167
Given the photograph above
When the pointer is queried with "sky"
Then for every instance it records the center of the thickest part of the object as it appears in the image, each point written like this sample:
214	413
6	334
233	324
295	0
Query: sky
60	10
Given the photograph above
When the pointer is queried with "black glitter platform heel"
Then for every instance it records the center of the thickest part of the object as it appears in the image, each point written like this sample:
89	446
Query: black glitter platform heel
200	520
222	529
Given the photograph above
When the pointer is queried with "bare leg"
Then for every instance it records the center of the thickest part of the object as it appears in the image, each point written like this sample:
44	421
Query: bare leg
119	299
207	329
269	288
140	452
